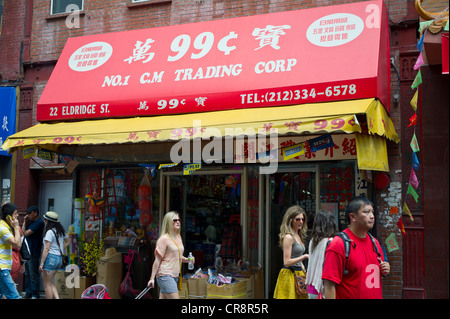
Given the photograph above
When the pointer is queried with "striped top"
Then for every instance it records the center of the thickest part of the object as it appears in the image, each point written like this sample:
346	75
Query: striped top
5	246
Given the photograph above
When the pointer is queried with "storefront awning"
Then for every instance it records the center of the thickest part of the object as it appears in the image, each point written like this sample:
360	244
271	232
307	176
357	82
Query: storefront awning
315	55
340	117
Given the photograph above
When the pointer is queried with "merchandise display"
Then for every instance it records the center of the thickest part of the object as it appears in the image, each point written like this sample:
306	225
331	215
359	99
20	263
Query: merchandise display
115	212
118	209
209	202
232	283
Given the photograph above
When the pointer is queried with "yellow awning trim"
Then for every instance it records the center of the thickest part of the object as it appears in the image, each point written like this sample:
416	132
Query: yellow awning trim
371	152
379	122
294	119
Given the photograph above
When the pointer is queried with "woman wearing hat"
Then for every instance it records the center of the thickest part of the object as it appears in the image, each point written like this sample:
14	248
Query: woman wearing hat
168	257
55	241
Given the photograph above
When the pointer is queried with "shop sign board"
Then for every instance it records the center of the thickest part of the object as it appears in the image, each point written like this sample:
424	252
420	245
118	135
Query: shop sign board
7	115
295	57
343	147
189	169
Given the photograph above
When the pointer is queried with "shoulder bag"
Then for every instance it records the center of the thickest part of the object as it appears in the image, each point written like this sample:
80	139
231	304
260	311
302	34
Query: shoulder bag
65	259
25	252
301	288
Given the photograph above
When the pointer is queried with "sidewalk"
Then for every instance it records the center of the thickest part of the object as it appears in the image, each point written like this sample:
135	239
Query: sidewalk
41	295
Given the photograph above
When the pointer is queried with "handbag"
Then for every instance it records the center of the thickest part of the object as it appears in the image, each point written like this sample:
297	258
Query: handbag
65	259
126	287
25	252
301	288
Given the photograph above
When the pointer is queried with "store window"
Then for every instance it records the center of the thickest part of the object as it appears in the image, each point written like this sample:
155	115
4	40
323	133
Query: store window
326	185
294	185
121	204
337	187
62	6
210	208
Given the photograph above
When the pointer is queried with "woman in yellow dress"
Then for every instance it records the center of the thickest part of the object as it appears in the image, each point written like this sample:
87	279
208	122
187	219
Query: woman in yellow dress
292	235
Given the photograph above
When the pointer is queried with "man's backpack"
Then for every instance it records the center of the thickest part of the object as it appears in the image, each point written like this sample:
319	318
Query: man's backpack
348	244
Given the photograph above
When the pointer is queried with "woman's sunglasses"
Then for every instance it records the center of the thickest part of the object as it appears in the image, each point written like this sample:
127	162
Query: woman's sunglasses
177	220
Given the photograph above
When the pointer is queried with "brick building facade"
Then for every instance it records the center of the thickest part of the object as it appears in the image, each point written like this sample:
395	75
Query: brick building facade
48	34
13	27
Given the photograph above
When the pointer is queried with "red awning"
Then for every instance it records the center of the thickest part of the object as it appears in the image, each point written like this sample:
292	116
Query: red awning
314	55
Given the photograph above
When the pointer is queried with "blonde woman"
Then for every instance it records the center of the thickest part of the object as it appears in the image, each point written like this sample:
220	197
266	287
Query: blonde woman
169	250
292	236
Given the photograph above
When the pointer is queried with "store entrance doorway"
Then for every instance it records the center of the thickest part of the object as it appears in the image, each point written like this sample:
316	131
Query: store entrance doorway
56	195
287	187
210	207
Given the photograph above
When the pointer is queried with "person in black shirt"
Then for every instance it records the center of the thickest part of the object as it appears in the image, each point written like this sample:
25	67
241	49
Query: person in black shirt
32	229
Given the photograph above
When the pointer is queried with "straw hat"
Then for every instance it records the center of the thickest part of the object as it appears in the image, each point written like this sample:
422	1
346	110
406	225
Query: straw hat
51	216
110	254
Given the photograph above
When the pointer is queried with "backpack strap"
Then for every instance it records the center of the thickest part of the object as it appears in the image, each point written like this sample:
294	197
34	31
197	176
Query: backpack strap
347	245
375	247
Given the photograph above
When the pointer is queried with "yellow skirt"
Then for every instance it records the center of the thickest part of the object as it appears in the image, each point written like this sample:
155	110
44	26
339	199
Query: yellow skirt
285	288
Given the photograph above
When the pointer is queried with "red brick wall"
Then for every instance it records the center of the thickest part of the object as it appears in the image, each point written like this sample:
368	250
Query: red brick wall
12	31
50	34
435	6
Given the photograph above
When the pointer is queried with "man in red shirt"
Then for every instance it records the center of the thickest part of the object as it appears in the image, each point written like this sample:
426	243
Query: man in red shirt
365	268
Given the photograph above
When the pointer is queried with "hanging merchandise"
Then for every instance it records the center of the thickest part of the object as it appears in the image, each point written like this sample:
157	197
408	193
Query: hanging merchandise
145	201
95	202
93	209
110	194
145	218
230	181
144	191
93	198
145	205
231	241
130	207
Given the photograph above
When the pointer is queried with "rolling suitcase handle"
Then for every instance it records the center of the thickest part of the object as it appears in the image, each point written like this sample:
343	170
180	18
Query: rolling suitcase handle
143	292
